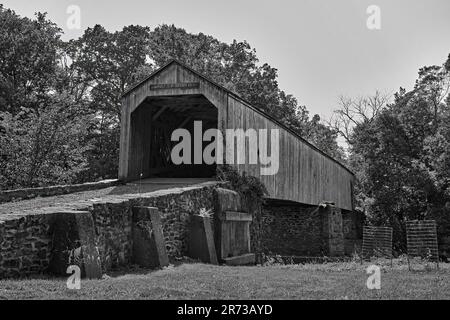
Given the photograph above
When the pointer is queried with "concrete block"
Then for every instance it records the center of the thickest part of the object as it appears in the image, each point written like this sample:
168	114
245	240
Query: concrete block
73	238
201	240
149	249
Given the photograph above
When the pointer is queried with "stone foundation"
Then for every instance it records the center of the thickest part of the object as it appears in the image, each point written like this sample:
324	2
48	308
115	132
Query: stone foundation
44	240
292	229
25	244
27	240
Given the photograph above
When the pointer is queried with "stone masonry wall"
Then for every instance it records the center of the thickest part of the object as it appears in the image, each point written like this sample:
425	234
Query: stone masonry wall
113	222
26	238
176	211
291	230
25	244
302	230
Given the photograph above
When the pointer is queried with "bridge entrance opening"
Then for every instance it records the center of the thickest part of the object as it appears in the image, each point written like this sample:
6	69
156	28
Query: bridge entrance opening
152	126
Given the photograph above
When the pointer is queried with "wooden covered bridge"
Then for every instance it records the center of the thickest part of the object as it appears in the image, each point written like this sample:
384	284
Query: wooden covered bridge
175	96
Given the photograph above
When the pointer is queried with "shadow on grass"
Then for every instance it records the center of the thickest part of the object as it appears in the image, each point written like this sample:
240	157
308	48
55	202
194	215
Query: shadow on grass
137	270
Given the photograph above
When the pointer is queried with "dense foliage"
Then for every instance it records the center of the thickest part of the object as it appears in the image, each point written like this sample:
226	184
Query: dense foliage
250	188
400	152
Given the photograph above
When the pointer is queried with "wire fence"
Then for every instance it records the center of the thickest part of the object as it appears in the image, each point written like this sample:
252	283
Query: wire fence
377	242
421	238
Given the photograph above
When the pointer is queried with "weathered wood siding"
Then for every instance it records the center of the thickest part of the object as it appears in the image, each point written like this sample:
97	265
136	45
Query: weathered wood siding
305	174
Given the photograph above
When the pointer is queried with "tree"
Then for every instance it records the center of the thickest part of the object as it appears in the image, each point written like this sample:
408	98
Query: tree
105	64
29	53
353	112
41	125
400	152
42	146
108	63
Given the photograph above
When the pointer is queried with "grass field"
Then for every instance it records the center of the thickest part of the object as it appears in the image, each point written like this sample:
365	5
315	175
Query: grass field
200	281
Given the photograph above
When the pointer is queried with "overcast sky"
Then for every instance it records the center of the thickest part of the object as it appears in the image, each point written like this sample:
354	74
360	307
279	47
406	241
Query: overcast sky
322	49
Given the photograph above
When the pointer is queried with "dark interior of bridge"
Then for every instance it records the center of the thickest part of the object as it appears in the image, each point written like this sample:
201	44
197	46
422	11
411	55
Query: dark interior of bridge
152	124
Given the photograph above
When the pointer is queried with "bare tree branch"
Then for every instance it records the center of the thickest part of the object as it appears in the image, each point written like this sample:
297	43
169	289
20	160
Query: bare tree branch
352	112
